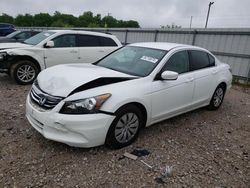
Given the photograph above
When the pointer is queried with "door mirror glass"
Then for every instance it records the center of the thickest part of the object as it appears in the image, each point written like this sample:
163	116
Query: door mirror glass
50	44
169	75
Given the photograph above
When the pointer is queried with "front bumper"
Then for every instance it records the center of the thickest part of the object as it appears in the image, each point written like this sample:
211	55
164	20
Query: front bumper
86	130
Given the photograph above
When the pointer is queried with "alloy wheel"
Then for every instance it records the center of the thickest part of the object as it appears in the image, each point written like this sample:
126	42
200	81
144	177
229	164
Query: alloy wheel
218	97
26	73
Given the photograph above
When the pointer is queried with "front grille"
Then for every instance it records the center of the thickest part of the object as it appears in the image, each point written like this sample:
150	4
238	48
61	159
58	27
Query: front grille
42	99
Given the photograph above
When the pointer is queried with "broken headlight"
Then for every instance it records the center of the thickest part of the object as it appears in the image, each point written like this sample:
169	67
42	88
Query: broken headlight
84	106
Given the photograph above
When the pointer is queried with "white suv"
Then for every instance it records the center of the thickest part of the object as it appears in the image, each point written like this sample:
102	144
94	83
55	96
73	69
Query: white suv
24	61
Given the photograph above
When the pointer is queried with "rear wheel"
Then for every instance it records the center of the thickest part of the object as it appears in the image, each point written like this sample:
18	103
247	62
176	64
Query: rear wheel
24	72
217	98
125	127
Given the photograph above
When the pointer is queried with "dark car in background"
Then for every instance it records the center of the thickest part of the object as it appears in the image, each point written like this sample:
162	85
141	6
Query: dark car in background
6	29
18	36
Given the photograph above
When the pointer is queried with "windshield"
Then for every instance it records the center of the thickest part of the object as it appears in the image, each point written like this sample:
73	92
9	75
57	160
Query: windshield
138	61
13	34
36	39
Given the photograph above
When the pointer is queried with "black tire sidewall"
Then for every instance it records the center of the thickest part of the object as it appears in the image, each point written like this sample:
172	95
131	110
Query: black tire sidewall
16	66
211	105
110	138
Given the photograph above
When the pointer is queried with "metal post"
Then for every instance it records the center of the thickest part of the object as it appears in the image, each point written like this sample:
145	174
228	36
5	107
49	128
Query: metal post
209	6
156	33
126	37
248	76
194	36
191	19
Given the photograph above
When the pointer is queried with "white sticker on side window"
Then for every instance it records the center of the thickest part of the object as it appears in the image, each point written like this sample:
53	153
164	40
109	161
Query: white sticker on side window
149	59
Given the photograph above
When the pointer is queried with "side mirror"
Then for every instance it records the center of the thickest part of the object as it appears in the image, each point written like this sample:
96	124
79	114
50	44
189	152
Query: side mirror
169	75
49	44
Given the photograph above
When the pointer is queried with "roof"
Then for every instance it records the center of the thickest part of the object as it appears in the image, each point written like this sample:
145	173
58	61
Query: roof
159	45
82	32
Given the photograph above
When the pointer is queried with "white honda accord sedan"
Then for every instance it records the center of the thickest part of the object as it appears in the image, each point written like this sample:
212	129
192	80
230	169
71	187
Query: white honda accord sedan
110	101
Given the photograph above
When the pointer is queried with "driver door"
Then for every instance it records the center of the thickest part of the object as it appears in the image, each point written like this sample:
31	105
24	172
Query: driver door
64	51
170	97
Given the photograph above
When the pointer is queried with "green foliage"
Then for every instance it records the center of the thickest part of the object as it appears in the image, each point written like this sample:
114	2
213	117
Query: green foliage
87	19
42	19
24	20
5	18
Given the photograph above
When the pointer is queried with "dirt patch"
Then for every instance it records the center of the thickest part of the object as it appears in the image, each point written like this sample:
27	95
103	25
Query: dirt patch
207	148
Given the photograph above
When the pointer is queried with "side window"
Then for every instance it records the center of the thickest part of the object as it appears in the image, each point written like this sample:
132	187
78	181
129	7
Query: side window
179	62
88	40
211	60
107	41
21	35
65	41
199	60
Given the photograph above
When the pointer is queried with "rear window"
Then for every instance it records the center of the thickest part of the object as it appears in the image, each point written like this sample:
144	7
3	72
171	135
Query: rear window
199	60
104	41
211	60
88	40
94	41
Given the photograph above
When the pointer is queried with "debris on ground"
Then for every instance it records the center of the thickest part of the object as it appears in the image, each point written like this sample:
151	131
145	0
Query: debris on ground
215	154
146	164
139	152
129	155
165	173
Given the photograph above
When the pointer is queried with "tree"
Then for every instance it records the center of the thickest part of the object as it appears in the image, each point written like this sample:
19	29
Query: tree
132	23
109	21
24	20
85	19
98	20
5	18
63	20
42	19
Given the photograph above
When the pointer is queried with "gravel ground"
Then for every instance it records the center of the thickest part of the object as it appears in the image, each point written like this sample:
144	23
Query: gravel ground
205	148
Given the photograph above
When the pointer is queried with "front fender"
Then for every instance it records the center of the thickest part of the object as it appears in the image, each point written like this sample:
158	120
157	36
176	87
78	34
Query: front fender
37	55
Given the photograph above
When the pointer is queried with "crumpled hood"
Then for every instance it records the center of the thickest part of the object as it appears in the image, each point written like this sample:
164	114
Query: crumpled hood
61	80
4	46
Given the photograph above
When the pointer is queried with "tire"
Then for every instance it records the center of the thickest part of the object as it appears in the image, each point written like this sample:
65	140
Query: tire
24	72
217	98
125	127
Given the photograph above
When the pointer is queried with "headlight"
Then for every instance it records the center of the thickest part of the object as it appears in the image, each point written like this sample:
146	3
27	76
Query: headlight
84	106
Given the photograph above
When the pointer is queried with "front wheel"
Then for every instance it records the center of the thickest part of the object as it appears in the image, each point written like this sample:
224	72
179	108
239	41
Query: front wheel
125	127
217	98
24	72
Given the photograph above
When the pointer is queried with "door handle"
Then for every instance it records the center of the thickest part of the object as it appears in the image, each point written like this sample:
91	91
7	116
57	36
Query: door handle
73	51
101	50
189	80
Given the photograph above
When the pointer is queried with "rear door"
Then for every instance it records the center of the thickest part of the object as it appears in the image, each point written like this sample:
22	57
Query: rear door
64	51
93	48
205	73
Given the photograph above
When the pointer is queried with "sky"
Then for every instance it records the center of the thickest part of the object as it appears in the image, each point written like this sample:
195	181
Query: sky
149	13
